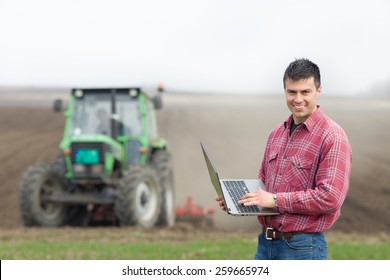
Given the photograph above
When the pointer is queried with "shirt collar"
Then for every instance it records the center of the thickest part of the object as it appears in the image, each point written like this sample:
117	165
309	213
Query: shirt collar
310	122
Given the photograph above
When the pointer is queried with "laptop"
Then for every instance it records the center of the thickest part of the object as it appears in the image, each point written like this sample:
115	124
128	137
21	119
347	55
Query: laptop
233	189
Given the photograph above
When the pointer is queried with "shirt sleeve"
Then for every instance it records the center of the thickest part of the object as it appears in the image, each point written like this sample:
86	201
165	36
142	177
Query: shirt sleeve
261	173
331	181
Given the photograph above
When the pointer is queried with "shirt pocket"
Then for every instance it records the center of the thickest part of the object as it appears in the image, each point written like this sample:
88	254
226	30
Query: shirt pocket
299	173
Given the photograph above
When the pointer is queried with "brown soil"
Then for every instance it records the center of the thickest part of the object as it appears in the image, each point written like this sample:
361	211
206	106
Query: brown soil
232	127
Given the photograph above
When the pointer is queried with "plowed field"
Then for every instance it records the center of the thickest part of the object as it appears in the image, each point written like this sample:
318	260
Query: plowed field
232	127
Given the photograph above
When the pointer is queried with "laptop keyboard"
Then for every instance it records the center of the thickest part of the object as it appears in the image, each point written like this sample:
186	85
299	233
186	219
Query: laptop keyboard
238	189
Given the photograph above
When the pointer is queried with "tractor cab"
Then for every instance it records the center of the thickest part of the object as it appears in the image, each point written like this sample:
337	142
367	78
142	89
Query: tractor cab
106	131
108	112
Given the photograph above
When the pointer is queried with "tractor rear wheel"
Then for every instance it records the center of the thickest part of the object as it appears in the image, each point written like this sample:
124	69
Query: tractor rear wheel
139	197
162	163
39	182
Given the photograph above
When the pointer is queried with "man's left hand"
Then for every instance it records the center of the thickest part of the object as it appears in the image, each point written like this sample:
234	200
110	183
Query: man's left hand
260	198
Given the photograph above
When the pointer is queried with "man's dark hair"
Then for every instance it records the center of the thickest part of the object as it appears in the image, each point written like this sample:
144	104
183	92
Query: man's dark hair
302	69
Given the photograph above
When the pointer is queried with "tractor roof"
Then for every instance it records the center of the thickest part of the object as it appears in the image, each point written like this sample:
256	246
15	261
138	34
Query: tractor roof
132	91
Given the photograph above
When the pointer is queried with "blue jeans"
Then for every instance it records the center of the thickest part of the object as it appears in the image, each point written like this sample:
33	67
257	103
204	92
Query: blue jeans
304	246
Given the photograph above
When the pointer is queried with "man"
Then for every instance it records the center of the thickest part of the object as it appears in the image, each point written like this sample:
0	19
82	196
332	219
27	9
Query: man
103	126
306	169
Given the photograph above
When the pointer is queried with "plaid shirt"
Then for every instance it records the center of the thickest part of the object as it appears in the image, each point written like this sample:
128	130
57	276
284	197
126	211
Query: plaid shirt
310	172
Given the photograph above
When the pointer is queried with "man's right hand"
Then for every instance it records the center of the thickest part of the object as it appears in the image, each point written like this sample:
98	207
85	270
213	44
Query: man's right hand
221	202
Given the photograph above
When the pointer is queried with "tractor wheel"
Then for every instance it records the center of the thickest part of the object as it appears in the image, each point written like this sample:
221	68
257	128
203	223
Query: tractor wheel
161	162
139	197
39	181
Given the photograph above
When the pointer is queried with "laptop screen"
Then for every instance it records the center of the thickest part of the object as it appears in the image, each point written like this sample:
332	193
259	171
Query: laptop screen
212	171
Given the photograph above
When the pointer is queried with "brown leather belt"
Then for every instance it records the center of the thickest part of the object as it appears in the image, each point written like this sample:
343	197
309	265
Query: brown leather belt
274	234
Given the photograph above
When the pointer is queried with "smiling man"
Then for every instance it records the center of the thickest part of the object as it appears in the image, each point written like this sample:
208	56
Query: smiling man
306	169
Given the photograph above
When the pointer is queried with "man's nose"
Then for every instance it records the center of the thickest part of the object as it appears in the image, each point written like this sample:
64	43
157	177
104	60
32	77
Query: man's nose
298	98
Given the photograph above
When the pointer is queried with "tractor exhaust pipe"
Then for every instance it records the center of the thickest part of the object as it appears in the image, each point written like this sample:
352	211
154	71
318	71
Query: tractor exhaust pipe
114	117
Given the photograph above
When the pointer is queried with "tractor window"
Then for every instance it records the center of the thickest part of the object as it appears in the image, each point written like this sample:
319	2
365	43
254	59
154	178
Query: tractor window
129	115
91	115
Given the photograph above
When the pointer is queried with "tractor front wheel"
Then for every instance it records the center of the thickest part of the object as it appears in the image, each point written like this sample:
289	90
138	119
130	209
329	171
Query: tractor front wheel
139	198
39	182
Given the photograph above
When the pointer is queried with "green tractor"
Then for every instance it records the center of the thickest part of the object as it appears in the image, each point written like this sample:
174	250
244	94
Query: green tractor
113	167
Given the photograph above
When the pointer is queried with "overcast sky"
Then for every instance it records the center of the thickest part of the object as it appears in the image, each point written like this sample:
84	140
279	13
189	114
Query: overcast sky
200	45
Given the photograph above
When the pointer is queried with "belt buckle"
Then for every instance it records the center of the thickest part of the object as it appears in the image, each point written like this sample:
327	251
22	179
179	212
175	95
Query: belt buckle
267	230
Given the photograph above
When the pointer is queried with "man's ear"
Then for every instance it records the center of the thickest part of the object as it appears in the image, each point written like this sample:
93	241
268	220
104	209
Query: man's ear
318	93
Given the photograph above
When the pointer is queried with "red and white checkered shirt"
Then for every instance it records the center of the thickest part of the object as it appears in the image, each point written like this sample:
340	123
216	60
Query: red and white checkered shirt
310	172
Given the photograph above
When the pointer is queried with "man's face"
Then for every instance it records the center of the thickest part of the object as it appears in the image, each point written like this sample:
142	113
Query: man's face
301	97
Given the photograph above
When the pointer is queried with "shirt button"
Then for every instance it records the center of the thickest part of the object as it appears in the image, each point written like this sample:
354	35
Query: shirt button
280	174
285	157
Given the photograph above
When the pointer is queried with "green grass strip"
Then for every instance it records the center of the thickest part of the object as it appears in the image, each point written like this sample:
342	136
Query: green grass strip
233	249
